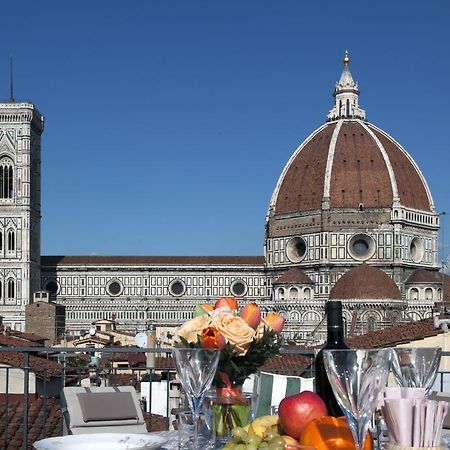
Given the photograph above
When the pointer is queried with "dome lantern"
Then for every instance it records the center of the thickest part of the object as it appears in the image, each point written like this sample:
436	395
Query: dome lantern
346	95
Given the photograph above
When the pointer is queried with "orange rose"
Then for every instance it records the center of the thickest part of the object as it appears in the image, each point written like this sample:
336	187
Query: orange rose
235	331
251	314
193	328
226	302
211	338
275	321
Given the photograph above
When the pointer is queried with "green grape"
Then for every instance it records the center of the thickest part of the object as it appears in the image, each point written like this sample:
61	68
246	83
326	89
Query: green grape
278	440
252	447
263	446
271	434
239	432
229	445
240	447
276	447
254	439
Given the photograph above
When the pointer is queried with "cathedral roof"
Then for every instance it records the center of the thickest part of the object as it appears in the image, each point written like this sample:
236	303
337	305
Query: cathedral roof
424	276
365	282
293	276
349	162
151	260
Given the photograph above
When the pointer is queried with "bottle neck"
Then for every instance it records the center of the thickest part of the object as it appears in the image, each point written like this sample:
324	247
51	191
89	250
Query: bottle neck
335	335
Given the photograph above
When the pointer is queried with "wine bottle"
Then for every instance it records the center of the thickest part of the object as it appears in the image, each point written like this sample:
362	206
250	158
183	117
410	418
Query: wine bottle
335	340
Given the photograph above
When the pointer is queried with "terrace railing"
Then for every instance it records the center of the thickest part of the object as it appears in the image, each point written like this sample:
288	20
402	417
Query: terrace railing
33	380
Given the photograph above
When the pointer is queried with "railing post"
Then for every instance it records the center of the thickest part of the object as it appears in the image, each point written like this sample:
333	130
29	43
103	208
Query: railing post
5	445
26	397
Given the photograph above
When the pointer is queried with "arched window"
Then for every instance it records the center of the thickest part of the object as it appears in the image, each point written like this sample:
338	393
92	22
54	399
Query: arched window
370	324
6	178
414	294
11	241
280	294
307	293
293	293
11	289
428	294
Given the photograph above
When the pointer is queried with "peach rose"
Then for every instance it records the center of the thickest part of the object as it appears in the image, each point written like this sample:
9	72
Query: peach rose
235	331
193	328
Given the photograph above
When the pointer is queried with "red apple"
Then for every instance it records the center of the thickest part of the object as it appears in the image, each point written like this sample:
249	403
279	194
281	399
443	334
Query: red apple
297	410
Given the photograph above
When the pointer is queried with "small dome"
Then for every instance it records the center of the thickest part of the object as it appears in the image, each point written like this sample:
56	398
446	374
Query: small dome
365	282
424	276
294	276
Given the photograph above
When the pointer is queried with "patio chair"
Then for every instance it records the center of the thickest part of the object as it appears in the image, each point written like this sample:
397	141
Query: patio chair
101	410
272	388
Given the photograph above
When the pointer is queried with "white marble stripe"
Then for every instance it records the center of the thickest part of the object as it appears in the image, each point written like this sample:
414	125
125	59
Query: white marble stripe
330	159
387	161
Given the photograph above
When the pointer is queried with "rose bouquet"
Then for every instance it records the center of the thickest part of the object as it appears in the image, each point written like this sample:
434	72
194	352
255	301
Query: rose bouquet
246	340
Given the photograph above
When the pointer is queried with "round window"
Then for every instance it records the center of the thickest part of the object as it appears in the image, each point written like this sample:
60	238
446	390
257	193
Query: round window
177	288
114	288
52	287
361	247
416	249
238	288
296	249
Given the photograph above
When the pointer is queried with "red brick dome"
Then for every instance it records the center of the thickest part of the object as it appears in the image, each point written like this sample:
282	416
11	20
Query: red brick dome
349	163
365	282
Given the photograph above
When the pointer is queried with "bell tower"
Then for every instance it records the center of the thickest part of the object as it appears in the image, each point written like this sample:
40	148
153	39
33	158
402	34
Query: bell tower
21	126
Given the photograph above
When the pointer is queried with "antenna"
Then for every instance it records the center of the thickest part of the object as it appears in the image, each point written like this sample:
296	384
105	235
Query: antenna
11	90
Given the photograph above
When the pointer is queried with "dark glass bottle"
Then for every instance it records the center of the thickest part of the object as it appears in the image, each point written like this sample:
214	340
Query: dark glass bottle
335	340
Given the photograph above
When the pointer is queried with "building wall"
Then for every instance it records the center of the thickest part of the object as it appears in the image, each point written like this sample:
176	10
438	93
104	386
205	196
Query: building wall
46	320
147	294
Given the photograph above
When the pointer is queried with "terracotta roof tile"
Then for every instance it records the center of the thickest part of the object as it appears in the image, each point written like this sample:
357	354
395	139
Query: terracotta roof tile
27	336
13	341
410	186
365	282
359	172
425	276
294	275
302	185
289	364
42	367
396	334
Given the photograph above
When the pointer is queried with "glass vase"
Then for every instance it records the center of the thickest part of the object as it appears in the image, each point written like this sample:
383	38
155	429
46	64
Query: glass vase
228	409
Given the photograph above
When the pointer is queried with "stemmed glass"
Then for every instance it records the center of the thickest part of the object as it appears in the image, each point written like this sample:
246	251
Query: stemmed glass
196	368
416	367
358	378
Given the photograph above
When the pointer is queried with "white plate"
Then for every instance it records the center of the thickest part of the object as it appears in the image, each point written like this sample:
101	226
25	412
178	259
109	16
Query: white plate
102	441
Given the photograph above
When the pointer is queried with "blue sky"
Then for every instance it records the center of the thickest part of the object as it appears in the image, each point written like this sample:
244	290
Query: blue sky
168	123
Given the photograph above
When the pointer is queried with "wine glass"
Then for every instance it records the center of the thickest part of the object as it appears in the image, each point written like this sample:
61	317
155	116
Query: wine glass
196	368
358	378
416	367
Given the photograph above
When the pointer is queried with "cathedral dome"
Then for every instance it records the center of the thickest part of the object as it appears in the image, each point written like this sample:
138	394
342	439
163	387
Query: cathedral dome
349	163
365	282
